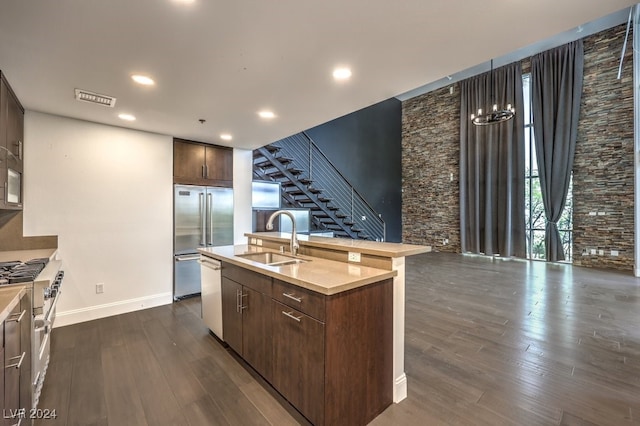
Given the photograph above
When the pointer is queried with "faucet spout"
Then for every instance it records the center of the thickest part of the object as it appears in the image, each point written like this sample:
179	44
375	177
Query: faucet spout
293	244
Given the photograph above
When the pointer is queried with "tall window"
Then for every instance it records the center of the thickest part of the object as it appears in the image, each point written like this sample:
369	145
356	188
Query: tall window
534	209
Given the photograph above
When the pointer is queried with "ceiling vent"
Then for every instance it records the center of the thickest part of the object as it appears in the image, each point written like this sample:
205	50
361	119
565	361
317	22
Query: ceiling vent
95	98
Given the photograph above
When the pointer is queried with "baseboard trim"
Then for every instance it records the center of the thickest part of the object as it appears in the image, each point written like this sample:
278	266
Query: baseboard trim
400	388
76	316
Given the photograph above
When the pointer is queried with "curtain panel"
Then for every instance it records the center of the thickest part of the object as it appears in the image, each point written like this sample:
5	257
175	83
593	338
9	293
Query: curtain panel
556	91
492	219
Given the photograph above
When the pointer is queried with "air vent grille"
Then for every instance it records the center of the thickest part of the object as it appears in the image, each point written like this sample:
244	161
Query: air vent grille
95	98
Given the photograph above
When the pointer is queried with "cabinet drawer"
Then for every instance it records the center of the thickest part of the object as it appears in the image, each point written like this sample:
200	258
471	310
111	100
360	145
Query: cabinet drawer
253	280
306	301
299	361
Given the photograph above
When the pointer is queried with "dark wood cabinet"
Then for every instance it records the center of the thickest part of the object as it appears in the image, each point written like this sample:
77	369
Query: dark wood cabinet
26	330
15	362
231	314
16	389
15	131
201	164
298	360
256	332
331	357
340	348
246	303
11	148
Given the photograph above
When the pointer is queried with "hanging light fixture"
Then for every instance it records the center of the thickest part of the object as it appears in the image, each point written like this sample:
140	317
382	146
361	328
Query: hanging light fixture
494	116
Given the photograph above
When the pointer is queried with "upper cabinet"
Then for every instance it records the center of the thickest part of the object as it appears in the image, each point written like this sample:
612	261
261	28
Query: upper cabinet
202	164
11	148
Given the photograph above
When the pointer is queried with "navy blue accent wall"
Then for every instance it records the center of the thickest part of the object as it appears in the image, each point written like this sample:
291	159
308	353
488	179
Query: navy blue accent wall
366	146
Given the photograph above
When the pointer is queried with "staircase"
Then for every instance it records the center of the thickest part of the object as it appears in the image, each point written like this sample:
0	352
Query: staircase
309	180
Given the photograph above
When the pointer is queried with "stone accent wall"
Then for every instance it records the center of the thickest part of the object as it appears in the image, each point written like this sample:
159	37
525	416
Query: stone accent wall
430	170
603	165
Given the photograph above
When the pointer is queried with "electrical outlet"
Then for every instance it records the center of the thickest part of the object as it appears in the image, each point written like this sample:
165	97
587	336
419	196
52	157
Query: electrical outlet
592	252
354	257
600	252
99	288
593	213
614	253
602	213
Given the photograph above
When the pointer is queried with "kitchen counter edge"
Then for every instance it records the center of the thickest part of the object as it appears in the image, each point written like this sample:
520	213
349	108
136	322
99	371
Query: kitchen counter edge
375	248
347	276
25	255
9	298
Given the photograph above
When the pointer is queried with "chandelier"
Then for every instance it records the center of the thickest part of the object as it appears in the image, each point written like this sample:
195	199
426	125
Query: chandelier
495	115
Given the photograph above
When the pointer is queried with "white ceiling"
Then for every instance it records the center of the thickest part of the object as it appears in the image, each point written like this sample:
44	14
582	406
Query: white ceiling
225	60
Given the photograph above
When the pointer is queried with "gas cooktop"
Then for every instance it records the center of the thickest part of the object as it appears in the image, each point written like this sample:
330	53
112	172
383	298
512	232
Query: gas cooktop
19	272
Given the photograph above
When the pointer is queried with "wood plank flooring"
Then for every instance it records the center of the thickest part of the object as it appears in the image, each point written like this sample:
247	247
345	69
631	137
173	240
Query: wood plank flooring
488	342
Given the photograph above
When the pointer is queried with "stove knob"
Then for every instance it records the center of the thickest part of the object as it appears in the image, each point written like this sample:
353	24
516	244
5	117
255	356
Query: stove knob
47	293
53	292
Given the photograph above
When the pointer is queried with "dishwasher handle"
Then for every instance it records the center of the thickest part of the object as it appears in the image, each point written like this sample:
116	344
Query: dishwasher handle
187	258
210	263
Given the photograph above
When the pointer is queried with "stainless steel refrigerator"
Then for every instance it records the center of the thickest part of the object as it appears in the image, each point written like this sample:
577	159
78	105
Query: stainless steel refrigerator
203	217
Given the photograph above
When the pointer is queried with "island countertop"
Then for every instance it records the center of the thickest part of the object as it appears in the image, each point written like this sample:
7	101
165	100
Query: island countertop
25	255
9	298
321	275
375	248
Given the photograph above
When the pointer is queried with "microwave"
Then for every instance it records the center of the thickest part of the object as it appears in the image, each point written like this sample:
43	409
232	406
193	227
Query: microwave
14	187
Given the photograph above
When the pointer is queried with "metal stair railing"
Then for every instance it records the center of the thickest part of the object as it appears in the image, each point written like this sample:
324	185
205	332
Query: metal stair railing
324	175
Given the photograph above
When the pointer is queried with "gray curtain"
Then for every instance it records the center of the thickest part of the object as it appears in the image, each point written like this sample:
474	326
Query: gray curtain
556	89
492	167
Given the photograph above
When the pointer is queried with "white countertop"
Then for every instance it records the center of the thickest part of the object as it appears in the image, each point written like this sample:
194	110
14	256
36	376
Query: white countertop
376	248
9	298
317	274
24	255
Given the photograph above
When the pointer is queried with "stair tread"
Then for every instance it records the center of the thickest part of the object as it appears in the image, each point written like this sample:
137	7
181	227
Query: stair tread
272	149
269	163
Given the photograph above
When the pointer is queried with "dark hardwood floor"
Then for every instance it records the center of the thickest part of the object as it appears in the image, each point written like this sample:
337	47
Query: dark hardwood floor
488	342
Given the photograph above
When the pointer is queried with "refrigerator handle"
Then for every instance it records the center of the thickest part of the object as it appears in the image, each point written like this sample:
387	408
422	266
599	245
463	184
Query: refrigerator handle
203	238
210	216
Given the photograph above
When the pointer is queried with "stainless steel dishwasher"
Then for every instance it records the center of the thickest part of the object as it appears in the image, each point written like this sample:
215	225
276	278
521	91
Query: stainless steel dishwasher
211	295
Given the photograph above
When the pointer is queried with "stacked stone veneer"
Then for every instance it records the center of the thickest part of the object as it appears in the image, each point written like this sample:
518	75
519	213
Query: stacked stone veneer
603	165
430	169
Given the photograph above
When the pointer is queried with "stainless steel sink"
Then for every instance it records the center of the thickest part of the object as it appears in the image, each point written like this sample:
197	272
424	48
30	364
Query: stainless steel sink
272	259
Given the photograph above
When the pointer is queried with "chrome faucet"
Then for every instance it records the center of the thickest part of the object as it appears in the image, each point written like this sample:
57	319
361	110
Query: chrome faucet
293	245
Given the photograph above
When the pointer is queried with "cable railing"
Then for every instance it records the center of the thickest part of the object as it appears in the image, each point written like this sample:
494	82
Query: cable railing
320	170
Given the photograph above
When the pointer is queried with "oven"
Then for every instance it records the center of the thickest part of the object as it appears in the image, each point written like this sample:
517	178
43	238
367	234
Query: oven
42	279
46	292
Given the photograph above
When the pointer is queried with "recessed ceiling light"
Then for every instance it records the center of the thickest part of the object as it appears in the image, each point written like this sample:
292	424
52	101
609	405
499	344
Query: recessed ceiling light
126	117
226	137
266	114
143	79
342	73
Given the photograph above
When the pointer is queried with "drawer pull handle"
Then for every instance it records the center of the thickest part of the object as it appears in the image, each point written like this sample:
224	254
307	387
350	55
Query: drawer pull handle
17	317
290	315
292	297
17	364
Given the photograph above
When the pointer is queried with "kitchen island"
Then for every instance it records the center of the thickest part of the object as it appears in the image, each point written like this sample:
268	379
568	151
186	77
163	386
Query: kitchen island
325	328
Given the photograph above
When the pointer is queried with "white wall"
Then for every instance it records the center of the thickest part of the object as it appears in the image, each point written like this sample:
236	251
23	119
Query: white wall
107	193
242	176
